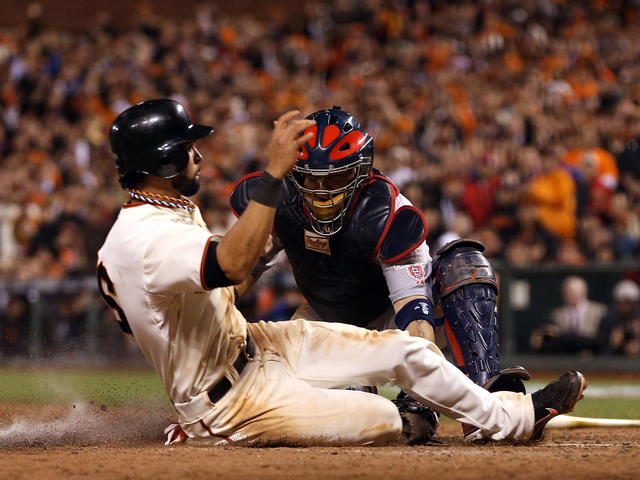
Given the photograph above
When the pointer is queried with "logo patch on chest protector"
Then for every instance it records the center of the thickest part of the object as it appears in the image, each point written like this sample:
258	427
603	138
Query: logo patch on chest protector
417	273
317	243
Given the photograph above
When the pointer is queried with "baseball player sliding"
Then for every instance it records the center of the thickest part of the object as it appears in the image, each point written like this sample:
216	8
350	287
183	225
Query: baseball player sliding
171	287
359	256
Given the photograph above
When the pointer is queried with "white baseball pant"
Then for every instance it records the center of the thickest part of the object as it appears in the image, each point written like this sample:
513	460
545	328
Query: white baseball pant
289	393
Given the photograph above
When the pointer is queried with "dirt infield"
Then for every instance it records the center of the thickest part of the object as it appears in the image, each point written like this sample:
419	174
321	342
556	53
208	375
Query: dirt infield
93	441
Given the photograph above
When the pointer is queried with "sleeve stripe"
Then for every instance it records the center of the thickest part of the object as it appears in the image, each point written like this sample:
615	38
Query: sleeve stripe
455	346
204	256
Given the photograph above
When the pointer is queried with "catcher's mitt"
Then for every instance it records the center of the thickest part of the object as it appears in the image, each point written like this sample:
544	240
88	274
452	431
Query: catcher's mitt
419	422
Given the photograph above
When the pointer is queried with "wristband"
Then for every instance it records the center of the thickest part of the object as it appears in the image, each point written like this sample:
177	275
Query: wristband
267	190
417	309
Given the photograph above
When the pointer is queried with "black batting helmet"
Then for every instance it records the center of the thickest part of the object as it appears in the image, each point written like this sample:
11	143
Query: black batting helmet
150	136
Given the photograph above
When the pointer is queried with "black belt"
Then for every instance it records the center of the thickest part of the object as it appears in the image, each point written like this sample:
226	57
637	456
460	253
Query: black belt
224	385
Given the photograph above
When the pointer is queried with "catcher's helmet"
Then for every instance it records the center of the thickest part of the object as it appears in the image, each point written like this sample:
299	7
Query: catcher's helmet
150	137
341	150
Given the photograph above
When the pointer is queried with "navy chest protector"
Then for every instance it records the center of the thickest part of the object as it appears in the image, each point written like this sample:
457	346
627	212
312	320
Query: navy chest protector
337	274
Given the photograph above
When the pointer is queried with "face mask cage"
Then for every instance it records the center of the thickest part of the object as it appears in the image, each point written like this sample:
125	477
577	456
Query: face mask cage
327	208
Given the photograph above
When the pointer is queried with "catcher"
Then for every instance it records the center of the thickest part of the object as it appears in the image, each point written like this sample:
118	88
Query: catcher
358	252
170	285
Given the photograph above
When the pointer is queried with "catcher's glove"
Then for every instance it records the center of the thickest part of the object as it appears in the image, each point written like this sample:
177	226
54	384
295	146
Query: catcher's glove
419	422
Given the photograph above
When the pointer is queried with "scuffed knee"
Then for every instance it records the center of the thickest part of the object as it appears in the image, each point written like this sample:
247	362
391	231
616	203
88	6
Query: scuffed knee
385	424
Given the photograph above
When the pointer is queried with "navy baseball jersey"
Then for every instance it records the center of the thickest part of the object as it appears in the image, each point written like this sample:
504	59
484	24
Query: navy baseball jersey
343	276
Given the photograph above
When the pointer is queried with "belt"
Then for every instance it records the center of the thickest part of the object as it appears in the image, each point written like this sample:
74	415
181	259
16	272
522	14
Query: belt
220	389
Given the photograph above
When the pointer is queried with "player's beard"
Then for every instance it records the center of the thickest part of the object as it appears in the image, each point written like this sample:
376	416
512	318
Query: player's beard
187	186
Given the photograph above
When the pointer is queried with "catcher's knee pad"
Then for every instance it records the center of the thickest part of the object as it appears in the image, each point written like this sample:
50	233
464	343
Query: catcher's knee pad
465	287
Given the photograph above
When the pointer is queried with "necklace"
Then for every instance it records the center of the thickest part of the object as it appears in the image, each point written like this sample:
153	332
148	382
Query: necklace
162	200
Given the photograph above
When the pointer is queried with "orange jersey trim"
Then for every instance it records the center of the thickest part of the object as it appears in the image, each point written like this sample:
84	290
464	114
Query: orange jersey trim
204	257
455	346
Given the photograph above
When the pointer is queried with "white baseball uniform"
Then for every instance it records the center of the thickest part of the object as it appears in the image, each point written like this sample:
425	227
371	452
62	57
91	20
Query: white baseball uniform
150	268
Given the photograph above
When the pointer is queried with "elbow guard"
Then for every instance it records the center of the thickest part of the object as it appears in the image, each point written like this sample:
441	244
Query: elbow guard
416	309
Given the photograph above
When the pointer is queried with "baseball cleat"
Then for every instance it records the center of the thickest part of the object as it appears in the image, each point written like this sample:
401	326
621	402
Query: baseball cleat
558	397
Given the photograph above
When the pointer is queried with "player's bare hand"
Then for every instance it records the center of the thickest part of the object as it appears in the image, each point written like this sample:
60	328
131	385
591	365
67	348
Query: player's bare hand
285	142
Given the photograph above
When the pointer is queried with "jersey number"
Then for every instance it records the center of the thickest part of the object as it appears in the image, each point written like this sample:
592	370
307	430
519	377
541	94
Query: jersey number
103	278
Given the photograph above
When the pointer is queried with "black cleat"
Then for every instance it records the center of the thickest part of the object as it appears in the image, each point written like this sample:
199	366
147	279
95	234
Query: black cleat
558	397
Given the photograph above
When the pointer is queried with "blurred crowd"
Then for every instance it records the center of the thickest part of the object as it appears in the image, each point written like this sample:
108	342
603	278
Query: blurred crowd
515	123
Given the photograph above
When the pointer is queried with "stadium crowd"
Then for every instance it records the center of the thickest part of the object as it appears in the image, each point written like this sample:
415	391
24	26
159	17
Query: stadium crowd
516	123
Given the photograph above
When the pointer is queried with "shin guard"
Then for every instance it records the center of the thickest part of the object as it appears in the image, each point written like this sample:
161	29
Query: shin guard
465	287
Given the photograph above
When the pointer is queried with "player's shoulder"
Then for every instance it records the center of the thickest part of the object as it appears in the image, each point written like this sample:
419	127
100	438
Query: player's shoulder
141	214
405	227
144	221
133	221
406	232
379	185
370	213
375	202
242	192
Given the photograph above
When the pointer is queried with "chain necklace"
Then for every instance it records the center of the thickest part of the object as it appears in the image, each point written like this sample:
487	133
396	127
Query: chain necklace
162	200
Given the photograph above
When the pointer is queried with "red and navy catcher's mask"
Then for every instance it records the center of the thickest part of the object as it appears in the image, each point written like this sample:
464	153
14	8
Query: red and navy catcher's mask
331	167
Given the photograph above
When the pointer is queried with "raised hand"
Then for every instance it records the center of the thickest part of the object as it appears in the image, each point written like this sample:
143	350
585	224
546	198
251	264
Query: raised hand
285	142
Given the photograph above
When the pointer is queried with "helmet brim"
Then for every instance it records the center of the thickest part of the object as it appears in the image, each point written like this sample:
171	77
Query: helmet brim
195	131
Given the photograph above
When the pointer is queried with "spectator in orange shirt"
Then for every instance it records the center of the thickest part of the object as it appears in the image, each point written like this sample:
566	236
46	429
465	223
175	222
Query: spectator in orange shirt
553	192
606	170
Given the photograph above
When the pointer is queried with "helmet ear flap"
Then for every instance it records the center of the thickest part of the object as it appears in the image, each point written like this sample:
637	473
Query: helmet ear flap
171	164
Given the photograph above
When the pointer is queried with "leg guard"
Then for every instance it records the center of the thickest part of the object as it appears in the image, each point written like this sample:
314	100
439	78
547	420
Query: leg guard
465	287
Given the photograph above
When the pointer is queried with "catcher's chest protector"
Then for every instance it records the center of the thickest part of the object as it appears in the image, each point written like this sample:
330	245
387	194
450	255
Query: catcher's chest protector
337	274
465	286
